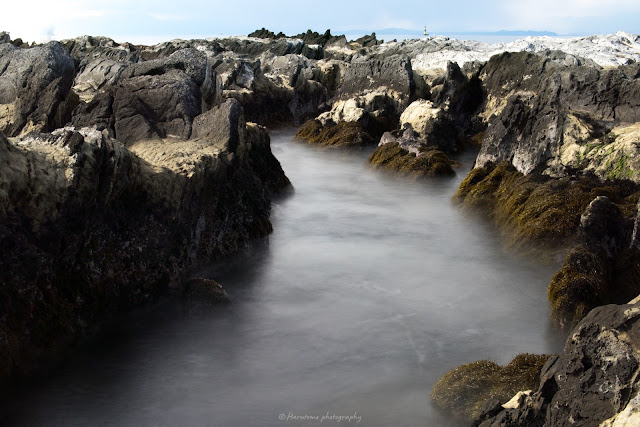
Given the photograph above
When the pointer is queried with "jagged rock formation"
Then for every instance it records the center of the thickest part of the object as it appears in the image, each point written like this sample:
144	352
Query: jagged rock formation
547	117
594	382
155	98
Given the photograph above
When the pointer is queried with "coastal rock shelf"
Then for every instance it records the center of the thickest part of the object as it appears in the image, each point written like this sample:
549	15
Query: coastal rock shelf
124	167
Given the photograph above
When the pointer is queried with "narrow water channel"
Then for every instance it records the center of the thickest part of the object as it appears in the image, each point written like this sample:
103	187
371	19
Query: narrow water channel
369	289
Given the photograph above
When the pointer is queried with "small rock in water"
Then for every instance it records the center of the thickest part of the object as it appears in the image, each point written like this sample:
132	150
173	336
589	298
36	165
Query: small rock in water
205	290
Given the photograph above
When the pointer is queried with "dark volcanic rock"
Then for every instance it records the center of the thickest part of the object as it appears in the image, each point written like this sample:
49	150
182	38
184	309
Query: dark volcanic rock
266	34
312	37
366	40
393	73
594	380
153	99
34	88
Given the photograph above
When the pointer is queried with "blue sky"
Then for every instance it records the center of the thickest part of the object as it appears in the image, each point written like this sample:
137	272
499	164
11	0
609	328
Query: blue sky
142	21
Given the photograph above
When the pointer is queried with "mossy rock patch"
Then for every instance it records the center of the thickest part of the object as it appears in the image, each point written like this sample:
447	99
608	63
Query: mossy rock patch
341	134
538	213
430	162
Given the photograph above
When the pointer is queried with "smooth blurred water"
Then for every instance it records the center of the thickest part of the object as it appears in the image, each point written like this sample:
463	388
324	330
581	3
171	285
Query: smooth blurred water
369	289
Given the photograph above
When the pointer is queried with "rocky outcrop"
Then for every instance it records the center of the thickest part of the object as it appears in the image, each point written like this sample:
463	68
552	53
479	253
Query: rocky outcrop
373	92
419	162
594	382
263	33
547	117
89	227
274	89
35	88
151	99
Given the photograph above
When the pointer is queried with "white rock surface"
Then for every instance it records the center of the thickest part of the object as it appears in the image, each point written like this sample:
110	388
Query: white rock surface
418	114
434	52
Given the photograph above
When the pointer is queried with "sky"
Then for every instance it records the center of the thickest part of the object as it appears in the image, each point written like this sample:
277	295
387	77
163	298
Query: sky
153	21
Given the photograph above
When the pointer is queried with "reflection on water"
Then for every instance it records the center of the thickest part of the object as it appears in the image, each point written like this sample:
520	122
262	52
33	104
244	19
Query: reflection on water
369	289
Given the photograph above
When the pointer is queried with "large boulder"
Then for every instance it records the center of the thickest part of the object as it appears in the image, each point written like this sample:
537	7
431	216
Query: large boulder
392	74
34	88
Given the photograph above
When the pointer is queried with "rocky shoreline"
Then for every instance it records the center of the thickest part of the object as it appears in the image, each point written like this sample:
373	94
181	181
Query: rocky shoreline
123	167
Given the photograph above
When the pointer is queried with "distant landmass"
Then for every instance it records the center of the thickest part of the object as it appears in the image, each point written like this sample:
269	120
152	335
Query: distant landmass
394	31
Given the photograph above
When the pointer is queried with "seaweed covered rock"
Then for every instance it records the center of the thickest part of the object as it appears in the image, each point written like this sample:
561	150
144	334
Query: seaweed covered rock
409	156
599	269
89	227
593	382
35	88
342	134
465	390
535	212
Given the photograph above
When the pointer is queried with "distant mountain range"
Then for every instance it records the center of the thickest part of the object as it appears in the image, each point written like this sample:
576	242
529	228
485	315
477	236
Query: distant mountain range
397	31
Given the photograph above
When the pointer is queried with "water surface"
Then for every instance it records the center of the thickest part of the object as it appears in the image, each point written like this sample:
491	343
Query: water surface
369	289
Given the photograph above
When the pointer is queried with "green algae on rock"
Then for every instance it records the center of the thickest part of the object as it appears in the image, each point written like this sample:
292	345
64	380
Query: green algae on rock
464	390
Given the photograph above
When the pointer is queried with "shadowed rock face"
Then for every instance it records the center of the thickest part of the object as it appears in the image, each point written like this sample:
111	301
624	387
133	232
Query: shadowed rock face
34	88
593	381
89	227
